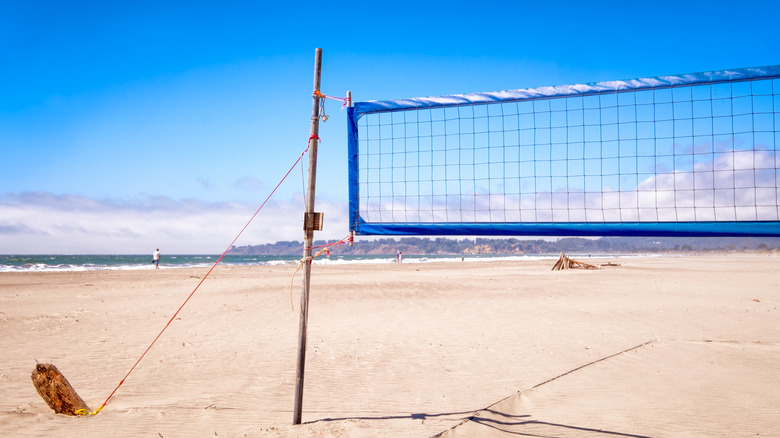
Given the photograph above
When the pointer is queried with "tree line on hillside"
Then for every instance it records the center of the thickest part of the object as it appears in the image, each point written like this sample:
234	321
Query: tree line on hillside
577	245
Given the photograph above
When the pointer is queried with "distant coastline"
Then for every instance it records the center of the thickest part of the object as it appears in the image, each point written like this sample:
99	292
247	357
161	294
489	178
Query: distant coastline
514	246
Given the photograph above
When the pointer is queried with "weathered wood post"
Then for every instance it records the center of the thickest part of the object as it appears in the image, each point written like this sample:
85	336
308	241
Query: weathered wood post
309	225
55	389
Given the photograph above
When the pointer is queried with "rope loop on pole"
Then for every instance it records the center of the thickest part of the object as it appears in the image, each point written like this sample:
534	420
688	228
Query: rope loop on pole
310	259
322	97
344	100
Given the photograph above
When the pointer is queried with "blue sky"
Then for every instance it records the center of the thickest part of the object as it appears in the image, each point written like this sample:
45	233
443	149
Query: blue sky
126	126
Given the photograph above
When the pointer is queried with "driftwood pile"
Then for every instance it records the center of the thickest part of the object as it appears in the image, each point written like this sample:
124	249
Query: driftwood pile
56	391
567	263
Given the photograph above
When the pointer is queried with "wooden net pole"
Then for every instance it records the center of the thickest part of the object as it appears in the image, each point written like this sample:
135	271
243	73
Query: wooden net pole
309	238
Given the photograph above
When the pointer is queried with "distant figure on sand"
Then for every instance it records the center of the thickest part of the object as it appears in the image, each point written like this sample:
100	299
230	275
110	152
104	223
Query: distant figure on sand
156	258
399	256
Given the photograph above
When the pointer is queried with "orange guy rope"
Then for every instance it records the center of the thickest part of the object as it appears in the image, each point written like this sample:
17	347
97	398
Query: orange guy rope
83	412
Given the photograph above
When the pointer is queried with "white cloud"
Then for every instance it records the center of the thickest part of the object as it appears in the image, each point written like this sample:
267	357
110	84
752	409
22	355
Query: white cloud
44	223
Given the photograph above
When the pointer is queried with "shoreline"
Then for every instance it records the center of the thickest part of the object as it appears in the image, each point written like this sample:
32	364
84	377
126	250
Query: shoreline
86	263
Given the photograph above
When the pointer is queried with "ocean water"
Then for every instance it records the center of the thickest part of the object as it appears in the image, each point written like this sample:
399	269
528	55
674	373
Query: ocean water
38	263
53	263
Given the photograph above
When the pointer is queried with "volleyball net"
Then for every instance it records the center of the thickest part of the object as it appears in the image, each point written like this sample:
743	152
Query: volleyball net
685	155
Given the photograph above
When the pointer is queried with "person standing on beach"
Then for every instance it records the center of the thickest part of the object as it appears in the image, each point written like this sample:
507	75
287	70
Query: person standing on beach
156	258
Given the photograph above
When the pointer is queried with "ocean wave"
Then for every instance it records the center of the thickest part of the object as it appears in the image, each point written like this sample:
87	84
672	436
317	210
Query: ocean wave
71	263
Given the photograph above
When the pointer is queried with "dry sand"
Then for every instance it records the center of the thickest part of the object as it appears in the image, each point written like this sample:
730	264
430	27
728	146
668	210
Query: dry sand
659	347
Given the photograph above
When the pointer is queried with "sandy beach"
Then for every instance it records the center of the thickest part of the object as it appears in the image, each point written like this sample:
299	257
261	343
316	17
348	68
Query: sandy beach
655	347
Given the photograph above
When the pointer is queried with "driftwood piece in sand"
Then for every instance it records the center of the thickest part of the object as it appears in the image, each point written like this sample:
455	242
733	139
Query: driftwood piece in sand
567	263
56	391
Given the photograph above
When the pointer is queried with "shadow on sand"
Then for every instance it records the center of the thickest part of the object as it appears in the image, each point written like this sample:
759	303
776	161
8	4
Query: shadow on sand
512	425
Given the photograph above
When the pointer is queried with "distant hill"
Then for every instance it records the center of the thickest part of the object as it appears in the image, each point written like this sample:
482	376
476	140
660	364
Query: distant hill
603	245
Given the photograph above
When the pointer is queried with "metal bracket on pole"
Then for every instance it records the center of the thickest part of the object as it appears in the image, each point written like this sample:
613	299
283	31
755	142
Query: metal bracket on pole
313	221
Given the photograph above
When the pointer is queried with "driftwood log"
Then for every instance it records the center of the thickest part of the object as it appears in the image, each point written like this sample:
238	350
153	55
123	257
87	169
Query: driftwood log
55	389
567	263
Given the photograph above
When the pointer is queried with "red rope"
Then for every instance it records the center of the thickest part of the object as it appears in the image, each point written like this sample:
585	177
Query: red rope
325	248
339	243
205	276
345	100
